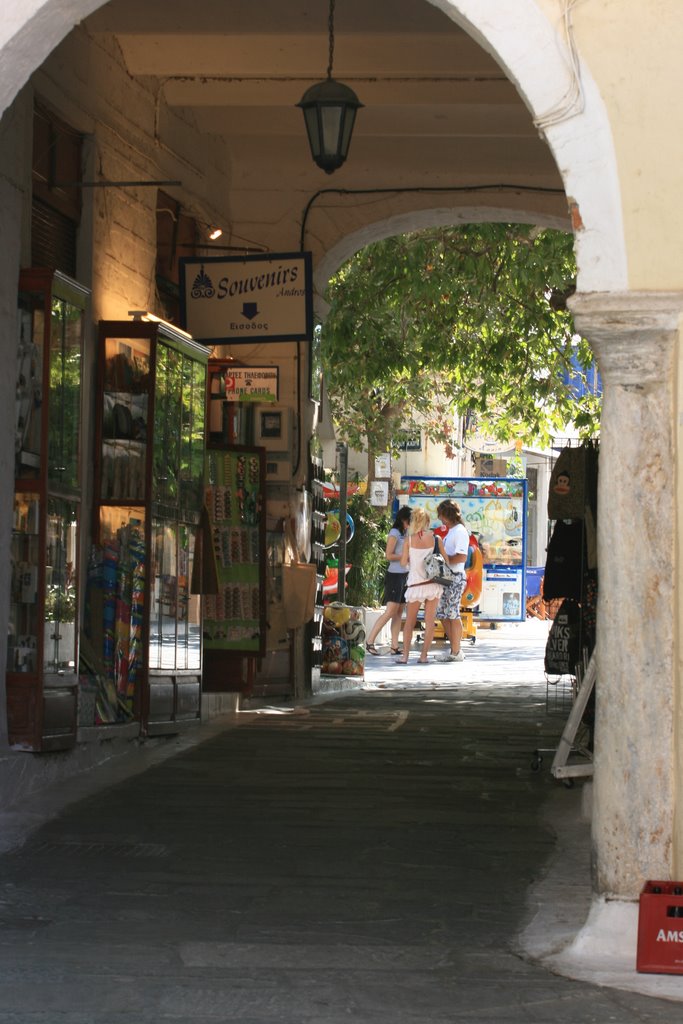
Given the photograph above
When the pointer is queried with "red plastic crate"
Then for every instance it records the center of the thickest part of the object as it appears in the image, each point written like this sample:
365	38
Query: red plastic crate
660	928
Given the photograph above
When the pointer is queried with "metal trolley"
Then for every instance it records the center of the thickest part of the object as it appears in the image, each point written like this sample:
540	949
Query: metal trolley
573	757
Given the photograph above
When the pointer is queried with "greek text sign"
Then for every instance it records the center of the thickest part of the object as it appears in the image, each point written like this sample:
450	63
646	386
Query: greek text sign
245	383
379	493
247	298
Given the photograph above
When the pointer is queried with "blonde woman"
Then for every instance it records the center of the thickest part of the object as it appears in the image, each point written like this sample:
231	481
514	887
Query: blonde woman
419	590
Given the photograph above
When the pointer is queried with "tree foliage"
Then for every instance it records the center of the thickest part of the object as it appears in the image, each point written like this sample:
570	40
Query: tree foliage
366	552
462	320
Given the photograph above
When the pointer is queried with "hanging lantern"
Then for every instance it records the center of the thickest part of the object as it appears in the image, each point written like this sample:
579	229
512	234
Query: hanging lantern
329	113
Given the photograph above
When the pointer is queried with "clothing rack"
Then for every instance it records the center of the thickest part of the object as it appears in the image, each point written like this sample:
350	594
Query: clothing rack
573	756
562	767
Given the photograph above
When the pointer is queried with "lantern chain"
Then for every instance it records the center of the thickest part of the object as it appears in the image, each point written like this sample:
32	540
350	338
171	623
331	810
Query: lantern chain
331	31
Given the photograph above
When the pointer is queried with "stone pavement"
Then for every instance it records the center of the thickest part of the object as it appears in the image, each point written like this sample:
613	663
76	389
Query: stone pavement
377	857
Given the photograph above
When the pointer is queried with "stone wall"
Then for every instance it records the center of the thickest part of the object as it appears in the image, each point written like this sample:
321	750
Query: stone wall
128	136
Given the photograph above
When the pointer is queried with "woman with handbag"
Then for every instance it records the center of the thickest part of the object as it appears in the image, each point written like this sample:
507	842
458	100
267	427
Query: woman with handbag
419	589
456	545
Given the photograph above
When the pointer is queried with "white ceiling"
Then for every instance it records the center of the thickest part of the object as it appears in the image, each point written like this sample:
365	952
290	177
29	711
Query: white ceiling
242	65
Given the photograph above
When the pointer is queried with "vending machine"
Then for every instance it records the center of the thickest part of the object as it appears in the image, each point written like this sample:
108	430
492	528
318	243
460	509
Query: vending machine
495	511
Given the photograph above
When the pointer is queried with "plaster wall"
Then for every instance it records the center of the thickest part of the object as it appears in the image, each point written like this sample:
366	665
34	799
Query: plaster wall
29	31
131	138
526	45
631	49
431	461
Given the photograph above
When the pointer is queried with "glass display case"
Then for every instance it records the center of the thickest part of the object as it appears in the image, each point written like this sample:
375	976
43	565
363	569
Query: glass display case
42	648
144	618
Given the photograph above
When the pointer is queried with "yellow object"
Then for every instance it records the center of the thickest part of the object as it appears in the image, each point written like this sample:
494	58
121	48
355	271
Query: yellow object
332	529
337	613
469	626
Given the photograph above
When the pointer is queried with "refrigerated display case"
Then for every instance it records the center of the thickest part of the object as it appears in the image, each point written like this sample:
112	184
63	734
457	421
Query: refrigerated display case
144	618
42	644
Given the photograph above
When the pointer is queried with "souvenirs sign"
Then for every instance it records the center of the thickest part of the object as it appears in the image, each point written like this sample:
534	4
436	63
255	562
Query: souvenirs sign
247	298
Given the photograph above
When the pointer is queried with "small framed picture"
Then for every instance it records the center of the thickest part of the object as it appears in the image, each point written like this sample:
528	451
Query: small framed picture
273	427
271	424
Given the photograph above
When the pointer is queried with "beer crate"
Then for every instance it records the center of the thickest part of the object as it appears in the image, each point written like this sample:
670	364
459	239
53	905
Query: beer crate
660	928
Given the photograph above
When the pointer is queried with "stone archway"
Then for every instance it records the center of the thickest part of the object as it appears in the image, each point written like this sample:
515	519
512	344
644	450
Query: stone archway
535	57
416	221
524	43
537	60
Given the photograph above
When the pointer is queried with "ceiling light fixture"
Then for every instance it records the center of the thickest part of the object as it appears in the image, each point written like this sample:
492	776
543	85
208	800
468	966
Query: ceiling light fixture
215	233
329	112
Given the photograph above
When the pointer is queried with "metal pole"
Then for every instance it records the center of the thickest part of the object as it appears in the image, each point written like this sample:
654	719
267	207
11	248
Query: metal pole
343	455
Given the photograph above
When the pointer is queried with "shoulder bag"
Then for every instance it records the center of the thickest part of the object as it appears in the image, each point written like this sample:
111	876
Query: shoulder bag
437	568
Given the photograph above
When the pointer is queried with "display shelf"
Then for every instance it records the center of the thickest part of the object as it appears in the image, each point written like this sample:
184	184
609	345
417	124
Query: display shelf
42	643
234	616
318	555
144	620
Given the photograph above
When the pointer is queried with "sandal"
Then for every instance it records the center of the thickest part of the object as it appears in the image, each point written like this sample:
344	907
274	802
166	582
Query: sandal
371	649
396	650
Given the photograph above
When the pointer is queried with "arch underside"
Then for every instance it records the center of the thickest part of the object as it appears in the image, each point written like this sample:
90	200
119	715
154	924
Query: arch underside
430	217
451	89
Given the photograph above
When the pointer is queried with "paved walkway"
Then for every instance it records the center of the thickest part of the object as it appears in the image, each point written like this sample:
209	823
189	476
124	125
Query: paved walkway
372	858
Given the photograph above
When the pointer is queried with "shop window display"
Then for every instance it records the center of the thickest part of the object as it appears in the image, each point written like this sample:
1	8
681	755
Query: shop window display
42	648
147	656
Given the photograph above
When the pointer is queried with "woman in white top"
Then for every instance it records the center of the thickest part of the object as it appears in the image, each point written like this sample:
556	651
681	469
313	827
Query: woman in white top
419	543
456	546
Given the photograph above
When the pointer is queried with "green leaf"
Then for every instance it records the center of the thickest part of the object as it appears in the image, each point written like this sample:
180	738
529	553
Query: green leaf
426	326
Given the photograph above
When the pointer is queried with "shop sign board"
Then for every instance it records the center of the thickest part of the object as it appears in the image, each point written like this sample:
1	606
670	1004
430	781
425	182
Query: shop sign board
244	383
236	300
379	493
409	441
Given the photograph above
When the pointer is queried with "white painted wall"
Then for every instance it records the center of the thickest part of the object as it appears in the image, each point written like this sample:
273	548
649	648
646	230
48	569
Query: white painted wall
432	461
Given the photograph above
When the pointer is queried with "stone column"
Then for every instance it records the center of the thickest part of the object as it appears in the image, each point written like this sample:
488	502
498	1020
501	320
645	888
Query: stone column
634	337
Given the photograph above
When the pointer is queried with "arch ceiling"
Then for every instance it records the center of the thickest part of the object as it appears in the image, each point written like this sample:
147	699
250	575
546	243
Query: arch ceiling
443	126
